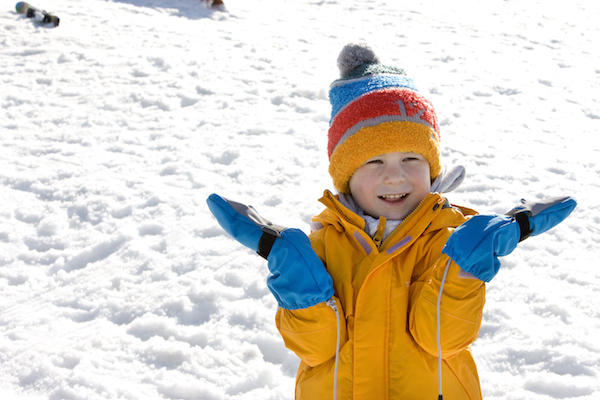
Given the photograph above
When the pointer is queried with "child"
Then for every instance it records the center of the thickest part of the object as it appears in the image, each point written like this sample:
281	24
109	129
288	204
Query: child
383	311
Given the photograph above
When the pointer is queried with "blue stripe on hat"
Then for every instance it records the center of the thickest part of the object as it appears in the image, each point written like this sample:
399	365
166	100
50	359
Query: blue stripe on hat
339	96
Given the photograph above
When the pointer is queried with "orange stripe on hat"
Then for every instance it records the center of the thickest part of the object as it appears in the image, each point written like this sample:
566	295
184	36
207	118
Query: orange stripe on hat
386	137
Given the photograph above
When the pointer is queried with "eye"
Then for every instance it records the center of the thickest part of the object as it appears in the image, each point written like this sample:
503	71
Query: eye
374	161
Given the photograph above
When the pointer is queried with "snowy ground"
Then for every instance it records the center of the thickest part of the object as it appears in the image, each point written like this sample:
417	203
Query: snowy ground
117	283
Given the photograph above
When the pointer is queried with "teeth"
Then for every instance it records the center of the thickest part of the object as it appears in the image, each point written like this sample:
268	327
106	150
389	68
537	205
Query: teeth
393	196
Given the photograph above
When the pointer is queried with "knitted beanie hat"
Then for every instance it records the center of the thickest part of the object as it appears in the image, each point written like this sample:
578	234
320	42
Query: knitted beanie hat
376	109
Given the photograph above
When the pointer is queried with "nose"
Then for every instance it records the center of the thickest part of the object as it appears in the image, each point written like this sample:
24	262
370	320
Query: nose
393	174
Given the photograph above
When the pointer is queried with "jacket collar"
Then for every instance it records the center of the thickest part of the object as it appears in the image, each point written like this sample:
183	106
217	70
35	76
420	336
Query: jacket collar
414	224
332	202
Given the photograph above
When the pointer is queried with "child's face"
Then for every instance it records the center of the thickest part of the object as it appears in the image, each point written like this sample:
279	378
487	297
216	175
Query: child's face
391	185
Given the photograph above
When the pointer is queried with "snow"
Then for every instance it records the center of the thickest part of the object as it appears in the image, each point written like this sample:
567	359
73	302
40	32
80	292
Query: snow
117	283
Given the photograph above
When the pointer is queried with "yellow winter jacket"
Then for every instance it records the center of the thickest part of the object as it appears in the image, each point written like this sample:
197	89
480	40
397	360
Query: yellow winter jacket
387	295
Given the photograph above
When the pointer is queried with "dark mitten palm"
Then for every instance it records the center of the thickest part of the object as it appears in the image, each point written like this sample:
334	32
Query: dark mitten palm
542	215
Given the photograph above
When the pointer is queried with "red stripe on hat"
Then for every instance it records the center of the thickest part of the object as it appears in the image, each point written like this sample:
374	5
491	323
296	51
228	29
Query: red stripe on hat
381	103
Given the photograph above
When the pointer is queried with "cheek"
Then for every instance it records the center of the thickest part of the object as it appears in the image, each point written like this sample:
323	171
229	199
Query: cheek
354	185
421	178
423	175
426	186
425	183
360	184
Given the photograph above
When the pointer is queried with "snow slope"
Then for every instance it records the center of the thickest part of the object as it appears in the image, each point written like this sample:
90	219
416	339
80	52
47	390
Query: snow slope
117	283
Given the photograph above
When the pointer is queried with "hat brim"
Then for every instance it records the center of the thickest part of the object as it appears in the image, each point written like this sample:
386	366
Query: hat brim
387	137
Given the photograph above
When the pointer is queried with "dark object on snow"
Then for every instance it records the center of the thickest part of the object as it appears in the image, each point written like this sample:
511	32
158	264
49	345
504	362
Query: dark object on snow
37	15
213	3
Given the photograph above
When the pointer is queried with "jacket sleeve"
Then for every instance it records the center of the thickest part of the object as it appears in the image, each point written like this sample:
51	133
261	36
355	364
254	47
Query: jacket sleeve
312	332
461	308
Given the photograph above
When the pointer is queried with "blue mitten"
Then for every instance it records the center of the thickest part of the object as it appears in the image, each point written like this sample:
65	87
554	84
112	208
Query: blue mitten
298	278
476	244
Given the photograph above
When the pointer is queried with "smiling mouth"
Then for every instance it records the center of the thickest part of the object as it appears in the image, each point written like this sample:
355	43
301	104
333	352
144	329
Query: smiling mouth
393	197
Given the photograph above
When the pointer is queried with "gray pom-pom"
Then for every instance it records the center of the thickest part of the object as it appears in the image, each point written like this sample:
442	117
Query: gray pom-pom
353	55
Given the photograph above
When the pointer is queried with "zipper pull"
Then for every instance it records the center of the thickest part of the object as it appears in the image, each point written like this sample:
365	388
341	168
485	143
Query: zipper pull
331	303
380	231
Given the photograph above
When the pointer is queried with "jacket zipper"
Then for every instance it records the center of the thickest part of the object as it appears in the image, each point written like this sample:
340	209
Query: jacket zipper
380	231
392	233
401	225
340	212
